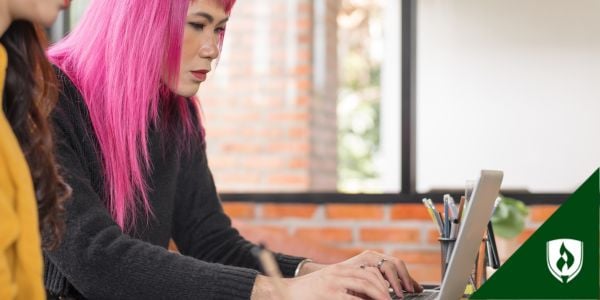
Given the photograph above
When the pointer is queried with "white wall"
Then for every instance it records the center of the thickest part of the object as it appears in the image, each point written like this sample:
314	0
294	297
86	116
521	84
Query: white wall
508	84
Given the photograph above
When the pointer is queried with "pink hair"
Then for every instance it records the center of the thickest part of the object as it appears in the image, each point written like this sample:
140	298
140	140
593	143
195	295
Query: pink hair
117	57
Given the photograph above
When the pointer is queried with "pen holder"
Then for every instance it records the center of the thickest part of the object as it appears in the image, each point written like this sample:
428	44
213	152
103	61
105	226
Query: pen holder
447	246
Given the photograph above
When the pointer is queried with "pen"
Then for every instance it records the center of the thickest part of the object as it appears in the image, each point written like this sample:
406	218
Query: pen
452	204
431	214
437	215
441	222
447	216
269	265
493	249
461	207
489	255
454	228
453	208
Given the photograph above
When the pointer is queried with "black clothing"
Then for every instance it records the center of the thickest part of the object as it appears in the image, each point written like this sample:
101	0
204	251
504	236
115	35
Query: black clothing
99	261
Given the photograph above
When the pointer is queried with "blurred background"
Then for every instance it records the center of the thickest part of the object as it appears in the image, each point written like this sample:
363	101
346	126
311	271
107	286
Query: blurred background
329	120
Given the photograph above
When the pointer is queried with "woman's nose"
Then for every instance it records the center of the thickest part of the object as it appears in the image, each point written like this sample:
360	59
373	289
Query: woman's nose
210	47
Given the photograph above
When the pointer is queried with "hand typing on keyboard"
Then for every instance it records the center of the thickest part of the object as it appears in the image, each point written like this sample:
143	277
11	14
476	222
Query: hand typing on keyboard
393	270
368	275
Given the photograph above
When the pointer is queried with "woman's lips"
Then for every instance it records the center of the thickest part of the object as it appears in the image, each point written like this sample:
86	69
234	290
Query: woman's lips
200	74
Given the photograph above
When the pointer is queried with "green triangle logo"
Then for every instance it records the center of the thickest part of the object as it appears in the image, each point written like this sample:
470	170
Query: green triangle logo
561	259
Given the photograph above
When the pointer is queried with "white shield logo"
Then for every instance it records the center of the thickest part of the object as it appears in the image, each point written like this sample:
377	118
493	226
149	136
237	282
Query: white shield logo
564	258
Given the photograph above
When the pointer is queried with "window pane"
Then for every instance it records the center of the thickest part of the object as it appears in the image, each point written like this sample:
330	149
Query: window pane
369	105
508	84
279	115
305	97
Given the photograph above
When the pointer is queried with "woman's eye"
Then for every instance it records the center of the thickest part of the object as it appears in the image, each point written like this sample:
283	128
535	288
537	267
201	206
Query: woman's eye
197	26
220	30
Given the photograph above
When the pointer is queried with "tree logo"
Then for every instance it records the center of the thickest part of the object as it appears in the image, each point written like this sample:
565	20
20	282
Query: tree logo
564	258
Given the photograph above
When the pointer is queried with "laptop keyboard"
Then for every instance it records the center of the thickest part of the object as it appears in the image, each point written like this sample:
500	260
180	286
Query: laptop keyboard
425	295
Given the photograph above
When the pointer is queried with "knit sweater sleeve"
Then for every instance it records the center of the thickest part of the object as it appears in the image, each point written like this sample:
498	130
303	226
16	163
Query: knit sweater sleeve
201	228
102	262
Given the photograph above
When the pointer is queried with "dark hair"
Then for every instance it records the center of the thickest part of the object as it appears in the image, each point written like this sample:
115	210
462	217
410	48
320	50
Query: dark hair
30	94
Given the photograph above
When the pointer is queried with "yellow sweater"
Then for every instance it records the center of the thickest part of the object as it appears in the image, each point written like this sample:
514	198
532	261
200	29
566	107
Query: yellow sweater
20	247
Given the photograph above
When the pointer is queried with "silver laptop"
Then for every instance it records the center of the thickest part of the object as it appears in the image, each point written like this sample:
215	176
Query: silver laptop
478	212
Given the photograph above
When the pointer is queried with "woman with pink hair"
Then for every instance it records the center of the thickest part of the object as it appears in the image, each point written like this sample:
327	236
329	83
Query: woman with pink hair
131	144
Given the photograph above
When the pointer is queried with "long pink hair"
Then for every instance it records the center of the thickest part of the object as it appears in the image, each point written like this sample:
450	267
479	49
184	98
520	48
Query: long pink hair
117	57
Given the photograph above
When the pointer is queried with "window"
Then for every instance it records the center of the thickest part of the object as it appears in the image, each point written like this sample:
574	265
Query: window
369	93
307	97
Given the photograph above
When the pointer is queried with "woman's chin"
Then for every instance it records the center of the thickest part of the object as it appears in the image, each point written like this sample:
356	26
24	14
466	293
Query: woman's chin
47	18
187	90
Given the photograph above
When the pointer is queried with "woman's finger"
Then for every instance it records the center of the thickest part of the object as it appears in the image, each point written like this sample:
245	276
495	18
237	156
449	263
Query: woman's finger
418	287
370	274
407	281
378	276
364	287
388	269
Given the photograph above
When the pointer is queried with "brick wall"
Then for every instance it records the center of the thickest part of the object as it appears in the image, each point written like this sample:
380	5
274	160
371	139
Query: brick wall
333	232
268	127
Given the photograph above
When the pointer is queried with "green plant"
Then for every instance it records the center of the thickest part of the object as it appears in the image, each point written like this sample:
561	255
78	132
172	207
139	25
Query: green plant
509	218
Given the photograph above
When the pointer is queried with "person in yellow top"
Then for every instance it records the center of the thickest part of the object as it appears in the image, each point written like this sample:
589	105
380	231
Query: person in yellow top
29	180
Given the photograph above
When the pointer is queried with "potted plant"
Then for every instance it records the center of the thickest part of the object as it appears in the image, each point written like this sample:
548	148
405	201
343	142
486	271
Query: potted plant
508	221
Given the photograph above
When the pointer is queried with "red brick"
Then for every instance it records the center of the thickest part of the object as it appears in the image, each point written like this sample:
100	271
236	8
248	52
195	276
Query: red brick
270	230
304	39
432	237
298	163
298	132
222	162
271	132
303	69
406	235
261	163
304	24
541	213
239	210
288	147
237	177
304	8
289	116
425	274
218	132
242	117
418	256
289	180
277	211
303	55
242	148
325	234
354	211
410	211
302	101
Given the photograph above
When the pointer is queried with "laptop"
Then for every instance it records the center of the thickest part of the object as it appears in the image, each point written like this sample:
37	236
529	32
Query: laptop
477	214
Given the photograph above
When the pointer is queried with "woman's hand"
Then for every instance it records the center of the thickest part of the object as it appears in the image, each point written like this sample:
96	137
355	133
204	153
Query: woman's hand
393	269
337	281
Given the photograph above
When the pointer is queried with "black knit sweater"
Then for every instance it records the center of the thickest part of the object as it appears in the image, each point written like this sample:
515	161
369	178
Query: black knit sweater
98	261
